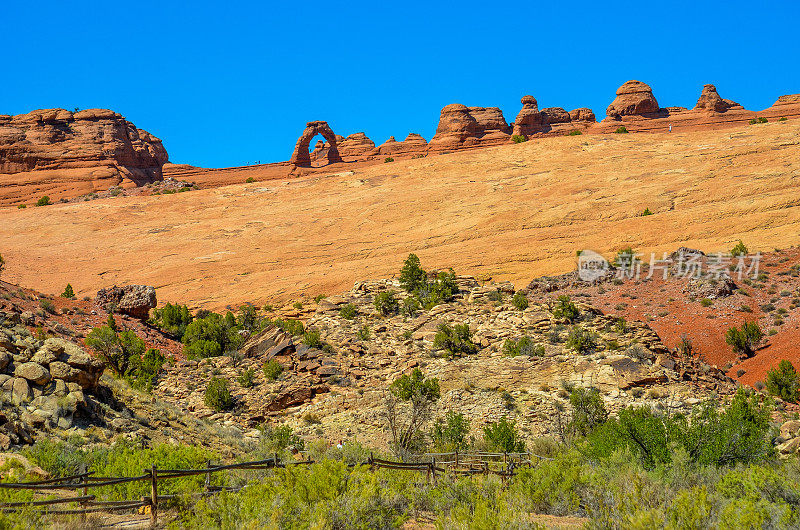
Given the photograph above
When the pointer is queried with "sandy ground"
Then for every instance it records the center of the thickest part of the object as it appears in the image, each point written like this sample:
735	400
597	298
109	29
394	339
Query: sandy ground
510	212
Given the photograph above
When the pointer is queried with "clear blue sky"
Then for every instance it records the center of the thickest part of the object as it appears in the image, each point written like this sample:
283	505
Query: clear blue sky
229	83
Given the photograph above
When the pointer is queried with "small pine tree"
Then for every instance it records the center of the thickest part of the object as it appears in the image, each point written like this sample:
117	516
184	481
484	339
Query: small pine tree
68	292
112	324
744	340
784	382
739	250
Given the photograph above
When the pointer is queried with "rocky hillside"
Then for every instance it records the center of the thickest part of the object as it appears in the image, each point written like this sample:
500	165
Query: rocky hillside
61	154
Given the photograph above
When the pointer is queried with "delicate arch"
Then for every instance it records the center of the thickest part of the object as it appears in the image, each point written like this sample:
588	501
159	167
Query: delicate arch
301	157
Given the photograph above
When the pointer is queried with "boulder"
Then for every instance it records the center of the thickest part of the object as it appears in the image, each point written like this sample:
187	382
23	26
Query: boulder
133	300
20	391
633	98
35	373
582	114
529	120
556	115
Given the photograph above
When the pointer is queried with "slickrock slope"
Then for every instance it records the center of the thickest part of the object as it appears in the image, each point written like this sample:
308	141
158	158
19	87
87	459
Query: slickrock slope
59	153
513	212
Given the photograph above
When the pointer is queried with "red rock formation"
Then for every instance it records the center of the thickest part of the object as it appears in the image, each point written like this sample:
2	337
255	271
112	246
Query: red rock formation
633	98
94	139
582	114
556	115
301	157
461	126
710	100
356	147
529	120
412	145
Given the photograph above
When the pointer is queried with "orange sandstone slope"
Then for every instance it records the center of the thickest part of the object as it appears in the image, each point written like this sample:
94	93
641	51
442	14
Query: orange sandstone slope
511	212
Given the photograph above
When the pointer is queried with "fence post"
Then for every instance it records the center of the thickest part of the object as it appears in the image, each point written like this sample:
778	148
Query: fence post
208	476
85	482
153	496
433	470
456	458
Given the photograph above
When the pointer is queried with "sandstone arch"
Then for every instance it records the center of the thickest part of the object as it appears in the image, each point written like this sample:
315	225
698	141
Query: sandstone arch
301	156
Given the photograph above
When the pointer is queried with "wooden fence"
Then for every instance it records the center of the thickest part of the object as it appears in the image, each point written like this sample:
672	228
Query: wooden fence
500	464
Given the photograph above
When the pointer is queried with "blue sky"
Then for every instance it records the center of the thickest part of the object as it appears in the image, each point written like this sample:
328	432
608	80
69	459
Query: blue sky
226	84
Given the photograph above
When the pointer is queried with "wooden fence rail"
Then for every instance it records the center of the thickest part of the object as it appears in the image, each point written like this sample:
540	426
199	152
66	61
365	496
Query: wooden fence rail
455	463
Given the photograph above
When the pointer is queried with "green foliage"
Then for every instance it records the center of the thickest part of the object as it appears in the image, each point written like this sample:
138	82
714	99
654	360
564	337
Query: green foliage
364	332
44	201
290	326
313	338
706	302
520	301
588	411
248	319
621	130
740	249
450	433
250	180
278	439
624	257
502	436
783	381
348	311
410	306
48	306
581	341
408	387
247	379
455	340
142	370
518	138
524	346
120	351
273	370
218	395
576	132
297	305
783	118
566	310
388	159
319	298
68	292
412	276
111	322
745	339
386	303
646	212
211	335
172	319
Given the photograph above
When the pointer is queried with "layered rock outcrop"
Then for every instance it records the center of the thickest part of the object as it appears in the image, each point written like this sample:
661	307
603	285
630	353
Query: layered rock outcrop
412	145
633	98
301	157
68	153
356	146
710	100
529	120
133	300
462	126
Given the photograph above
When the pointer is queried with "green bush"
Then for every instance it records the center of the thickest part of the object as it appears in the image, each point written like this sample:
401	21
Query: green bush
745	340
576	132
143	370
706	302
566	310
388	159
120	351
172	319
211	335
412	276
48	306
218	395
518	138
250	180
782	118
455	340
621	130
386	303
451	433
273	370
68	292
520	301
44	201
588	411
364	332
414	280
410	306
739	249
502	436
783	381
247	379
581	341
348	311
646	212
625	257
523	346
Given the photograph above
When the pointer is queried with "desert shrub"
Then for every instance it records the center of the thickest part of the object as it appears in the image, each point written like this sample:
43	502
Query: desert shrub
247	318
588	411
44	201
298	305
455	340
272	370
520	301
620	325
745	339
646	212
518	138
319	298
576	132
388	159
247	379
762	119
706	302
523	346
278	439
739	249
118	350
783	118
408	405
218	395
451	433
291	326
386	303
412	276
581	341
364	332
624	257
502	436
410	306
348	311
414	280
783	381
211	335
68	292
143	370
48	306
172	319
565	309
250	180
621	130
